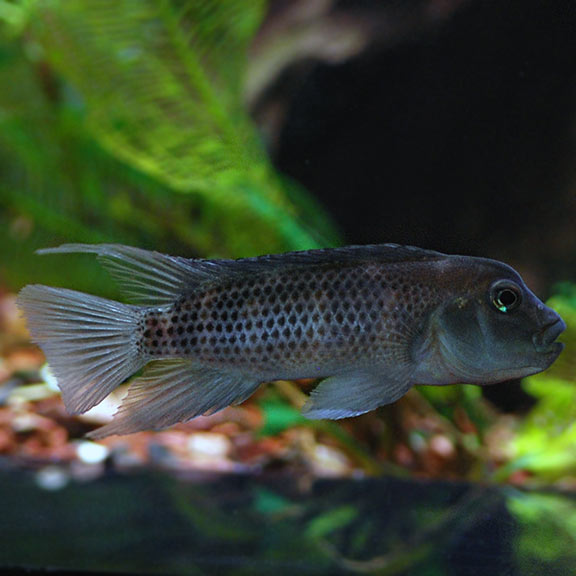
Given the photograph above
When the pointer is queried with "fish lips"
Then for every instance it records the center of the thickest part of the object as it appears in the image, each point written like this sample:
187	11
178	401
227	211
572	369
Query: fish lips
545	340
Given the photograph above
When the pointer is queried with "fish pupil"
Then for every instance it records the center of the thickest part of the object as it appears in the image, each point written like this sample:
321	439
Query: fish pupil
506	299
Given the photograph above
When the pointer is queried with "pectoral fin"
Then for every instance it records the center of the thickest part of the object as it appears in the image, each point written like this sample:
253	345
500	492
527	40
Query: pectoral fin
352	394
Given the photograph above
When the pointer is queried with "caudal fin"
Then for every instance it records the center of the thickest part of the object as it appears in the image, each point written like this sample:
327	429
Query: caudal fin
90	343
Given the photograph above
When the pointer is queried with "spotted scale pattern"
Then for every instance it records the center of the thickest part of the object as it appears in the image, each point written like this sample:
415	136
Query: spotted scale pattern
300	322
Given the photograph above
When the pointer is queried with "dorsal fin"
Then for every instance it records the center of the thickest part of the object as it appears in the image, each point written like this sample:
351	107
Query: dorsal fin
384	253
147	278
153	279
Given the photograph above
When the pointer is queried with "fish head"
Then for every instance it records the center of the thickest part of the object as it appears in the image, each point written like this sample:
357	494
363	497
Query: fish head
493	328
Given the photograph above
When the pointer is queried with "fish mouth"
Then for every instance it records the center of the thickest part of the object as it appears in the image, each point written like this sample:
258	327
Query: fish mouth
545	340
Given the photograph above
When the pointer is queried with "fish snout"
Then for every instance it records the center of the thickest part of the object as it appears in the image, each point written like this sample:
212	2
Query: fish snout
545	339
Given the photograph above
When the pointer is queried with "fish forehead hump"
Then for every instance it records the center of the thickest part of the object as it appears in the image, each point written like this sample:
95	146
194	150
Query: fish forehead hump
469	273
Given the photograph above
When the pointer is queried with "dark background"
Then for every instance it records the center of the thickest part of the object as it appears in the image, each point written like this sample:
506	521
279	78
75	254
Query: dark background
457	134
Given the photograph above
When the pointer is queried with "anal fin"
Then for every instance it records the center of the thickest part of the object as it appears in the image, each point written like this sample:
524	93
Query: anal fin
172	391
353	393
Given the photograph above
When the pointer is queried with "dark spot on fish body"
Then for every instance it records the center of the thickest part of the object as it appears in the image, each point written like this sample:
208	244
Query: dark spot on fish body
153	333
271	300
289	319
345	330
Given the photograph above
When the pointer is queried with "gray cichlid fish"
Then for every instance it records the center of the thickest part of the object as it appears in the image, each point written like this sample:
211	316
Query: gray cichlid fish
371	321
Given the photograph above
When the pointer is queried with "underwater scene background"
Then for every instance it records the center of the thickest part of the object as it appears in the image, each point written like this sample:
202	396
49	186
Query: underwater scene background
246	127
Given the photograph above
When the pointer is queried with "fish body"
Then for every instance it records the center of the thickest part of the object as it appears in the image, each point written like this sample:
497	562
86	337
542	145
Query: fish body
292	323
371	321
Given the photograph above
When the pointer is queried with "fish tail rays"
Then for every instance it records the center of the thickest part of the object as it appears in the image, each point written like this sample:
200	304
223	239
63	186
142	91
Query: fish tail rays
90	343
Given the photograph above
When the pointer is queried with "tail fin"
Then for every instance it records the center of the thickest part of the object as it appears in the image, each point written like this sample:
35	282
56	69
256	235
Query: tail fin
90	343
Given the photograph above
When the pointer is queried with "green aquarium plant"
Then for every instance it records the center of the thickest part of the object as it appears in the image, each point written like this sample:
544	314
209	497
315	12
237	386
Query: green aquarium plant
545	442
125	122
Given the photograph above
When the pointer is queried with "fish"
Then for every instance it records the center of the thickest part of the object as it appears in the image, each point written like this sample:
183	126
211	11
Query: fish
370	322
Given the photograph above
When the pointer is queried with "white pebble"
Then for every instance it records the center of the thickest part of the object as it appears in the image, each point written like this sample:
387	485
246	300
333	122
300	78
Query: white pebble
52	478
91	453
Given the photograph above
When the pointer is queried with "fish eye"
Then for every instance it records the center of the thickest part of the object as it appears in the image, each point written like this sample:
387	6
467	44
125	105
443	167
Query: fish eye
505	296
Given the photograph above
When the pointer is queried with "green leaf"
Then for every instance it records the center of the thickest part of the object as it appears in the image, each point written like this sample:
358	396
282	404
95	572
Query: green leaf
279	416
546	441
547	526
162	84
161	80
331	521
124	122
269	503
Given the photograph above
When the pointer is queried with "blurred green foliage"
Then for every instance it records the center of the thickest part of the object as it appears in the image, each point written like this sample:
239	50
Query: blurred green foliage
124	122
545	443
547	524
